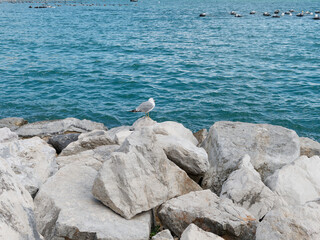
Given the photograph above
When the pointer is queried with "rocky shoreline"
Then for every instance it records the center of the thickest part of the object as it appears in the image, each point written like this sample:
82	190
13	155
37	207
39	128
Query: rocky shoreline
74	179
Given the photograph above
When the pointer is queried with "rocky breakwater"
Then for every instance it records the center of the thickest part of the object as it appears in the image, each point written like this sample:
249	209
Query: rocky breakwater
75	179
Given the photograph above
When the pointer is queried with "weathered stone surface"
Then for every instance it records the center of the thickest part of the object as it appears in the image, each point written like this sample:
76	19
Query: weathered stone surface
270	147
193	232
119	134
185	154
209	212
201	135
60	142
245	188
297	182
142	123
93	158
96	138
309	147
66	209
56	127
12	123
6	135
292	222
16	211
32	160
139	177
163	235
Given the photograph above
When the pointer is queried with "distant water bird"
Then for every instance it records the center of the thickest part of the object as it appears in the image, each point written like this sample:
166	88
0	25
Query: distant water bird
300	15
133	0
276	11
317	11
316	17
275	16
30	6
238	15
253	12
266	14
307	12
287	13
282	14
291	10
233	13
202	15
145	107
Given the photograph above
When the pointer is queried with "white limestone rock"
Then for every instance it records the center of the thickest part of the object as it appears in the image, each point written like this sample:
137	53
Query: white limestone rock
193	232
309	147
56	127
270	147
298	182
163	235
93	158
16	212
291	222
12	123
7	136
245	188
185	154
139	177
209	212
66	209
32	160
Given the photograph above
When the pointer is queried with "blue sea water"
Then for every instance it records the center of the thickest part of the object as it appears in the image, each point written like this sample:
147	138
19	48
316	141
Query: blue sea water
98	62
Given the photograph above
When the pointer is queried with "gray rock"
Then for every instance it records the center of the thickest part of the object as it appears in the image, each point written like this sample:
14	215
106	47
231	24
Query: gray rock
12	123
201	135
193	232
245	188
93	158
56	127
297	182
32	160
16	211
209	212
309	147
66	209
291	222
163	235
185	154
60	142
7	136
270	147
139	177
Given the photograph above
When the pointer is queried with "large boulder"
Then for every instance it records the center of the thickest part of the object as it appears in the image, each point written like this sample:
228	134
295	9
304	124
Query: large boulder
209	212
193	232
309	147
140	177
245	188
12	123
7	136
270	147
60	142
298	182
291	222
56	127
66	209
32	160
16	212
163	235
93	158
185	154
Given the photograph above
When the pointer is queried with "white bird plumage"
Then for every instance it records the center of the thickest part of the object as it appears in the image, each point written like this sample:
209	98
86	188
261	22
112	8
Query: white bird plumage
145	107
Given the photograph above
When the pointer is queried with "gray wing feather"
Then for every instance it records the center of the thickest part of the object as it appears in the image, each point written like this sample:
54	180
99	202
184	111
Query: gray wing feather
144	107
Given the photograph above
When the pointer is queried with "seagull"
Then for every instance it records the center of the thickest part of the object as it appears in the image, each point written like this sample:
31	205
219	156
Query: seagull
145	107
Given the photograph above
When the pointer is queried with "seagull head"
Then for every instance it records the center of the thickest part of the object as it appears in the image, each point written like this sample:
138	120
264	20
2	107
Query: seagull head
151	100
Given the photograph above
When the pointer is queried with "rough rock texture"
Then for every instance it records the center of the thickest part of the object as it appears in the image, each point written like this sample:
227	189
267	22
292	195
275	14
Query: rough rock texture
193	232
140	177
93	158
66	209
201	135
60	142
6	135
209	212
12	123
16	208
309	147
96	138
245	188
186	155
32	160
292	222
270	147
298	182
163	235
56	127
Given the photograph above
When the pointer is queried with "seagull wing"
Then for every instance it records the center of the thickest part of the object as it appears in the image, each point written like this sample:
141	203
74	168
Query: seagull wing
145	107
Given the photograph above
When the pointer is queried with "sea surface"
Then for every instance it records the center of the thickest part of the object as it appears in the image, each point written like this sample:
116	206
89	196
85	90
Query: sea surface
99	61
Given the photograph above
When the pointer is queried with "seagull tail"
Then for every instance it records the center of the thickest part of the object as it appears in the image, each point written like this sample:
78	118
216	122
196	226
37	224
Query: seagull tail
134	110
